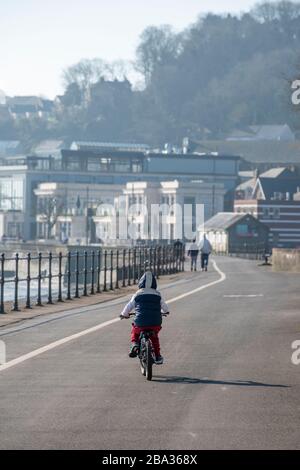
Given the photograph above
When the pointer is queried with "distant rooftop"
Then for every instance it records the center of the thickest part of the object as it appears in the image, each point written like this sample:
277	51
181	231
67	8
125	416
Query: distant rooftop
264	132
223	220
82	145
268	151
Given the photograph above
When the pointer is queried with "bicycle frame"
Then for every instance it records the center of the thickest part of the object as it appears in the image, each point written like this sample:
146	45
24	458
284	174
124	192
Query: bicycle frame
146	353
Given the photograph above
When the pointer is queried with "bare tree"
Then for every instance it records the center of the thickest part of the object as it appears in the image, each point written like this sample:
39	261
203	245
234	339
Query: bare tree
50	209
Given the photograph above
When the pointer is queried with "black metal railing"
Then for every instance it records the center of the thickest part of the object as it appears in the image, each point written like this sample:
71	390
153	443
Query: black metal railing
35	280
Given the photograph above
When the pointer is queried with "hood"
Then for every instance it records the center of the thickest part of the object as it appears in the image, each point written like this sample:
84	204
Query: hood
148	281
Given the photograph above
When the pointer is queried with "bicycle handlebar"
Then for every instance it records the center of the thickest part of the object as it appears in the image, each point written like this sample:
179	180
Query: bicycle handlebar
133	314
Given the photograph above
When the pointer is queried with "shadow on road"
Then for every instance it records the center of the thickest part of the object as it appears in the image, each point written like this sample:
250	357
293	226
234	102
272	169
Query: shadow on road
193	381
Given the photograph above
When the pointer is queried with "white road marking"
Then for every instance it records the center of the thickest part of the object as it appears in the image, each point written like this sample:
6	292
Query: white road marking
199	289
67	339
238	296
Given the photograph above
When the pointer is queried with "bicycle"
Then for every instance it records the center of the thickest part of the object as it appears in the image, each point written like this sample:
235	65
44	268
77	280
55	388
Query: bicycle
145	352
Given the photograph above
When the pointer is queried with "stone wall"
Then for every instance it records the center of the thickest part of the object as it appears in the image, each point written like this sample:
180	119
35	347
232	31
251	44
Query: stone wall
286	260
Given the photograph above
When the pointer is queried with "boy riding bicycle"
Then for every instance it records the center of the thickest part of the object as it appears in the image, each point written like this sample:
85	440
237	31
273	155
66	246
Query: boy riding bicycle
148	306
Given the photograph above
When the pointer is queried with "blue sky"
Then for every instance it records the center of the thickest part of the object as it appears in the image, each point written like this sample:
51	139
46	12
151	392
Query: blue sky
38	38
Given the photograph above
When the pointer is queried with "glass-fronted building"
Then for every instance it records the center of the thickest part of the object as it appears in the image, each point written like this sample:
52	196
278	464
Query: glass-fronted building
20	176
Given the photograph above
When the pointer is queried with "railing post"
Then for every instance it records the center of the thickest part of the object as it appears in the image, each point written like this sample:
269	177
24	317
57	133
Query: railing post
69	276
170	259
28	305
105	271
182	258
134	266
117	270
2	283
164	260
154	260
60	257
157	256
111	269
93	273
129	268
99	272
39	294
123	268
140	263
77	276
50	280
85	274
174	260
16	299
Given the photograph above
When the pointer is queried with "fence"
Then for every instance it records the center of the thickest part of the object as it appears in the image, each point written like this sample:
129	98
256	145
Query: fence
256	251
46	278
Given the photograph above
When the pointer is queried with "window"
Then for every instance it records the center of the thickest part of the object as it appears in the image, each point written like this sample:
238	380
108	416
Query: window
14	229
136	167
73	165
121	166
244	230
11	194
93	165
265	213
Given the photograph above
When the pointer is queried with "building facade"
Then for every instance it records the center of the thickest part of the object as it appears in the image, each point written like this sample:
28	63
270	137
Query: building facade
20	177
161	211
274	202
230	232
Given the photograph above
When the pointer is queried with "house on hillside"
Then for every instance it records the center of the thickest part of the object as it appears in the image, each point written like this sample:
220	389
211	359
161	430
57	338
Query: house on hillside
28	106
10	148
265	132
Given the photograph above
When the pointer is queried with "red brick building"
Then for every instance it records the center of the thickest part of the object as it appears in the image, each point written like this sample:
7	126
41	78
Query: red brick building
275	202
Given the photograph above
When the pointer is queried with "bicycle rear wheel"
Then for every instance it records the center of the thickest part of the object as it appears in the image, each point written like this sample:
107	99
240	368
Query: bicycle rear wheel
142	357
148	360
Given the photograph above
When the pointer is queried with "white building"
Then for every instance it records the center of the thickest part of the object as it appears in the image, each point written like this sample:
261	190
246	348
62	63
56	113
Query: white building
159	211
11	225
65	211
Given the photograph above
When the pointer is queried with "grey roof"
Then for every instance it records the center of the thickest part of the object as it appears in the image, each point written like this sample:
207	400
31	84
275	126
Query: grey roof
48	146
223	220
25	101
247	174
246	184
271	132
82	145
278	185
264	132
9	144
280	152
275	172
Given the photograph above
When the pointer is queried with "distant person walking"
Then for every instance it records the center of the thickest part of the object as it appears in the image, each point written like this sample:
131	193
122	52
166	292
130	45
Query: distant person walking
205	250
178	251
193	253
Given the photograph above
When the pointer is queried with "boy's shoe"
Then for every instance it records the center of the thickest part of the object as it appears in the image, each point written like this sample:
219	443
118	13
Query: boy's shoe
134	350
159	360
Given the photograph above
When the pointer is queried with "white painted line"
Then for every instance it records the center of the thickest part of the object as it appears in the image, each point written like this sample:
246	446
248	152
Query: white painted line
238	296
50	346
199	289
67	339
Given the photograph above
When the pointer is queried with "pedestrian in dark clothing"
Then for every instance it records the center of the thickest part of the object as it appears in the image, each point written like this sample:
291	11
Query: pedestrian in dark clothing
193	253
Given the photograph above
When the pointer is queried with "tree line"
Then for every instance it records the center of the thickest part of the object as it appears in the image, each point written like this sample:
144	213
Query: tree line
221	73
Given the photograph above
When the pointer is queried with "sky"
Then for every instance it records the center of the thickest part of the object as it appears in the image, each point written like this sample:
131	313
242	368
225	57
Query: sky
39	38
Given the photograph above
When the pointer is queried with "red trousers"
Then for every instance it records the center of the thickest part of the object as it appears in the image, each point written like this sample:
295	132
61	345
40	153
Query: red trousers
135	334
